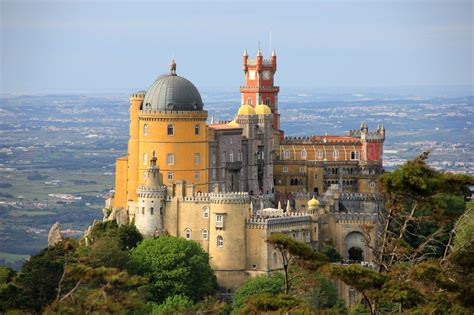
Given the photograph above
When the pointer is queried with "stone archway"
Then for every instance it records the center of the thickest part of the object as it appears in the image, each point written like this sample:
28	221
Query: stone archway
355	246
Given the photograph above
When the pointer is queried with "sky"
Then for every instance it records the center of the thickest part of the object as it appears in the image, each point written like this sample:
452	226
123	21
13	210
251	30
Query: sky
64	46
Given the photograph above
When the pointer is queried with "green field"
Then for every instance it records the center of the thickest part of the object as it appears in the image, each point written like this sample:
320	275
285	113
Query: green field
12	258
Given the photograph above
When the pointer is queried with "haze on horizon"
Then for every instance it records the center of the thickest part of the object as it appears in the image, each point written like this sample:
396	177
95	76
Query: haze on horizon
109	45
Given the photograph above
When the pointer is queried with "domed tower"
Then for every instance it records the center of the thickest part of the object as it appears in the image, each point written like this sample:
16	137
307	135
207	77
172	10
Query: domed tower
151	202
172	127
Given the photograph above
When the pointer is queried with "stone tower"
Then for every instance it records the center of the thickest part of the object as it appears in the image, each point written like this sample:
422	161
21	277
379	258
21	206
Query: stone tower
151	202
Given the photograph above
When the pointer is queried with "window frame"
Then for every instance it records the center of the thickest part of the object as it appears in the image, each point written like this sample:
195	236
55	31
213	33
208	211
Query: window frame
187	233
170	159
220	241
170	127
205	234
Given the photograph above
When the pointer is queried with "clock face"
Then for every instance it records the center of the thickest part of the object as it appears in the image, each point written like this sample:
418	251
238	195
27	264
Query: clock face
267	75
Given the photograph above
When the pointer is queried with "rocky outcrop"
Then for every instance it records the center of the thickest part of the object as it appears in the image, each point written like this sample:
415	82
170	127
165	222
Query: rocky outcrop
119	215
54	235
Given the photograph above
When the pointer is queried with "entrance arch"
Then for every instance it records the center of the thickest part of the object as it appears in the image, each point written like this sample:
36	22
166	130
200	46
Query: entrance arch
355	246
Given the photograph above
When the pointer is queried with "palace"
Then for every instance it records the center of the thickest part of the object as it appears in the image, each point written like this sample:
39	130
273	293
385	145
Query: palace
223	184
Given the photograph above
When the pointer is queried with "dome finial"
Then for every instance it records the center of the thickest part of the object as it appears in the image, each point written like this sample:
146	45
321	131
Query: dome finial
173	67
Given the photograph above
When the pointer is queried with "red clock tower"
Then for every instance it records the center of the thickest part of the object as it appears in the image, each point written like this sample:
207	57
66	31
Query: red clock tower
259	86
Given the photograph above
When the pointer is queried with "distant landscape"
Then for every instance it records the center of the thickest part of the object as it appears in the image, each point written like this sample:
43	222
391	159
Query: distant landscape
57	151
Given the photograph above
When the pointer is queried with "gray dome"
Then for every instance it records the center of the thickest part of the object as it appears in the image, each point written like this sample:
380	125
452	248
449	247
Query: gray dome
172	92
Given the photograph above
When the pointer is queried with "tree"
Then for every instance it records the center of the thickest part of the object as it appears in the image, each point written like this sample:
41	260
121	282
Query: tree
260	284
176	304
40	275
174	266
129	236
292	252
421	206
271	303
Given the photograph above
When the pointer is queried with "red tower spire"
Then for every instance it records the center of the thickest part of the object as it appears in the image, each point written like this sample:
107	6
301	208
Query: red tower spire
259	83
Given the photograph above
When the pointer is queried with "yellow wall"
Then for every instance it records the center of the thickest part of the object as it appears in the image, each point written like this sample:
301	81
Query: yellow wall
136	101
120	198
184	144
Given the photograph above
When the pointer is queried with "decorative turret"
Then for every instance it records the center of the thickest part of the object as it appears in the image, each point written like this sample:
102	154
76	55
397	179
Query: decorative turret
173	67
245	58
259	59
151	202
313	204
274	61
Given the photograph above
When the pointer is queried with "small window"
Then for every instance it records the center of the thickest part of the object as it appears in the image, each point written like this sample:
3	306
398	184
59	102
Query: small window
231	155
145	158
304	154
196	175
223	157
170	130
286	154
220	241
144	175
170	159
170	176
205	213
213	157
301	169
187	234
219	220
205	234
231	141
249	101
320	154
197	130
335	154
151	211
285	169
268	101
197	158
372	184
143	210
353	155
223	173
275	259
145	129
213	173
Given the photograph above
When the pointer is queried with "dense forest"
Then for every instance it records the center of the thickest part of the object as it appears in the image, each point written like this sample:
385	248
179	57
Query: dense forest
424	265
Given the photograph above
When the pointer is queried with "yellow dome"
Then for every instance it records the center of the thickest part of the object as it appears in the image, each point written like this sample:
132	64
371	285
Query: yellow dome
233	123
263	109
313	203
246	110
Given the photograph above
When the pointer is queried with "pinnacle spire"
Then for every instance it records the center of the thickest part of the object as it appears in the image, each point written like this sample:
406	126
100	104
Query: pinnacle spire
273	53
245	52
173	67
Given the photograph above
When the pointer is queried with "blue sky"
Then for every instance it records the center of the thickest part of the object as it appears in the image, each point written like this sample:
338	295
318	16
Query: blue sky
54	46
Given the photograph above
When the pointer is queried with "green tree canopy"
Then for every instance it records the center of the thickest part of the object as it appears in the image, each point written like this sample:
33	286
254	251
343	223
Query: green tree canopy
174	266
260	284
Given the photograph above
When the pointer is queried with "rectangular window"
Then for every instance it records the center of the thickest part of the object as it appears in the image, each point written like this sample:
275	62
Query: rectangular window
320	154
197	158
170	159
223	173
151	211
219	221
285	169
197	130
170	175
196	175
143	210
335	154
213	173
204	234
286	154
170	130
301	169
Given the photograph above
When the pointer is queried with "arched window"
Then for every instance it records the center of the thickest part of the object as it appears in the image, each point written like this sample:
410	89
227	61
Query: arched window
286	154
335	154
145	129
205	212
220	241
170	176
170	130
304	154
205	234
197	130
353	155
145	158
268	101
320	154
187	234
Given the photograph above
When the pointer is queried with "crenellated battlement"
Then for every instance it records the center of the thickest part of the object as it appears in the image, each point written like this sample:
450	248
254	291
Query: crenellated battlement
151	192
138	96
361	197
230	197
279	221
355	217
154	114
